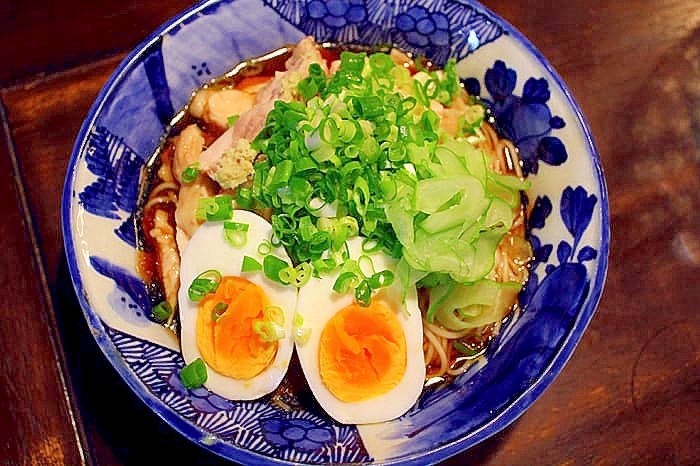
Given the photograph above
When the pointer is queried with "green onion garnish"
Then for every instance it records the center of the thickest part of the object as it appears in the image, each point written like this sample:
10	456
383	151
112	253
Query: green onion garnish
190	173
345	282
301	333
363	293
205	283
465	350
302	274
194	375
232	120
297	276
264	248
268	331
381	279
250	265
236	233
218	311
244	198
363	154
161	311
272	266
215	208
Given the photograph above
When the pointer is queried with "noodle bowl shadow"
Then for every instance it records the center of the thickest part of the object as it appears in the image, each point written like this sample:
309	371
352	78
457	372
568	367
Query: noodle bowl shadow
568	225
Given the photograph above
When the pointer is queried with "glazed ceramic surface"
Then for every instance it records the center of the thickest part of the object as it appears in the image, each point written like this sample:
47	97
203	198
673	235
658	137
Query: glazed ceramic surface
568	226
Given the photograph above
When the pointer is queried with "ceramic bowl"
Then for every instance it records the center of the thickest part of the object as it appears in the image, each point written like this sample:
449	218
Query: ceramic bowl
568	227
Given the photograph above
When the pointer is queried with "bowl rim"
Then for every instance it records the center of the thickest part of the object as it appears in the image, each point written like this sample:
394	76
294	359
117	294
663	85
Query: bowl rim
510	413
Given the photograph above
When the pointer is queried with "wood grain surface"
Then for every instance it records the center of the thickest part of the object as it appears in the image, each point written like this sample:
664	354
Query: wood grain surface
630	394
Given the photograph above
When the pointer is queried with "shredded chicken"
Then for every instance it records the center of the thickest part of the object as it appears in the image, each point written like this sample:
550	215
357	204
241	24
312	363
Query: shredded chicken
188	149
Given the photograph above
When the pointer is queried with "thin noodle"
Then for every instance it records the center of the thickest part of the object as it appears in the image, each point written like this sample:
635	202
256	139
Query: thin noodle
439	350
461	368
428	352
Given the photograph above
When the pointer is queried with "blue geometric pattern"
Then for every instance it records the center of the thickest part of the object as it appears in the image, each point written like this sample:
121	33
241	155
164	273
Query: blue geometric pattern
147	90
288	434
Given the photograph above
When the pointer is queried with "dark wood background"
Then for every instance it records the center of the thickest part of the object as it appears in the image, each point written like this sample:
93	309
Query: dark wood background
631	392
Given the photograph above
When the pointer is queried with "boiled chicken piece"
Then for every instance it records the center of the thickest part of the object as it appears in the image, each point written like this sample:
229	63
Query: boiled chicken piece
188	148
216	106
281	87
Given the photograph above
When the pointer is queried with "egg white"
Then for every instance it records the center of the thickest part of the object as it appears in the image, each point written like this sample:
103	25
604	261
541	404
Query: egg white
207	249
318	302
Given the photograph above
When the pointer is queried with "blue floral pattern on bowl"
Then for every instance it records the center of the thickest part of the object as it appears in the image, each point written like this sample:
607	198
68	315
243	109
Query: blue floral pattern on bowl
568	225
526	120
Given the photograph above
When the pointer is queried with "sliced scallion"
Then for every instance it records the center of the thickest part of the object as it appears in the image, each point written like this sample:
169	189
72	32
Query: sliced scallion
272	266
190	173
161	311
236	233
268	331
250	265
218	311
194	375
205	283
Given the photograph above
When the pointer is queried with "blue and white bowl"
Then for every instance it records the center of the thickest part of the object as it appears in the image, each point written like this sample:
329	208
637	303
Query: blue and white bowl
569	225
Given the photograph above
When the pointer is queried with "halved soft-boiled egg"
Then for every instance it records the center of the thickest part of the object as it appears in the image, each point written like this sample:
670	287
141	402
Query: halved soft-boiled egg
363	361
242	327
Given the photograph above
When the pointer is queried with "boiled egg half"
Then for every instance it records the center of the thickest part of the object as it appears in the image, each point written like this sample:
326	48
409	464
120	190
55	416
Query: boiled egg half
242	330
363	363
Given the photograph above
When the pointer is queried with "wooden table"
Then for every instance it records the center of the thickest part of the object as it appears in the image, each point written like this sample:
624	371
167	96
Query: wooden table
631	392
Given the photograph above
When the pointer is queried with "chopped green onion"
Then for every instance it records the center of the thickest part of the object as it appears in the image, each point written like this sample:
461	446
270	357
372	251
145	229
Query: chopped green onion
363	293
304	272
218	311
244	198
236	233
298	320
462	348
363	153
232	120
322	266
194	375
264	248
272	266
205	283
274	314
161	311
381	63
345	282
190	173
302	334
381	279
268	331
250	265
370	245
287	275
215	208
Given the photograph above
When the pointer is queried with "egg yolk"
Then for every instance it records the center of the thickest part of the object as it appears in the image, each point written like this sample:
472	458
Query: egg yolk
362	352
226	337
